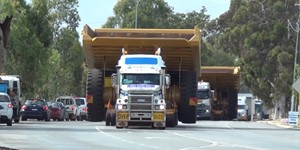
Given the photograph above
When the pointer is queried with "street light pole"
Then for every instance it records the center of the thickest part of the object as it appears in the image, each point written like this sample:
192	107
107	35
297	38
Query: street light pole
296	59
136	9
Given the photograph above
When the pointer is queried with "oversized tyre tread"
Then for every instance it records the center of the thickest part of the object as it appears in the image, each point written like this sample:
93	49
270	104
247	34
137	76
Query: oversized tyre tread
95	87
187	113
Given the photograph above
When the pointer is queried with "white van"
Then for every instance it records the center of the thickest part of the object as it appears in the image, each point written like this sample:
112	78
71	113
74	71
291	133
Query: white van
81	113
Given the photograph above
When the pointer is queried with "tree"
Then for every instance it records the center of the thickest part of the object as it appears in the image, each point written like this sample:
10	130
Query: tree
4	34
43	39
257	34
66	42
151	14
158	14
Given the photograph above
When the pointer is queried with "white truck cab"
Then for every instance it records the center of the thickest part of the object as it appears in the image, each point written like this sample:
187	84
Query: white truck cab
140	85
242	110
204	100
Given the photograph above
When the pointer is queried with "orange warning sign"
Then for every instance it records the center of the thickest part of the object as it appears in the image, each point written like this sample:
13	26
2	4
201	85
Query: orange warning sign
193	101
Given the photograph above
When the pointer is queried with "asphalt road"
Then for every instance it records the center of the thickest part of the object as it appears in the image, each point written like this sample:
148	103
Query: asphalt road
209	135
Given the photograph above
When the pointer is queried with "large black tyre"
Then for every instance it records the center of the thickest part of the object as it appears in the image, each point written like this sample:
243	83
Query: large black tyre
170	119
95	88
176	119
24	119
108	118
17	120
113	119
9	122
170	122
187	113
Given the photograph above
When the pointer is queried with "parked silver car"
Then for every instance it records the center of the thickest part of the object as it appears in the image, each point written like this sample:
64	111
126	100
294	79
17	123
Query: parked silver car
70	105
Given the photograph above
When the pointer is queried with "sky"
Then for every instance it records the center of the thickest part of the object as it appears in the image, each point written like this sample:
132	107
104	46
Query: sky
95	12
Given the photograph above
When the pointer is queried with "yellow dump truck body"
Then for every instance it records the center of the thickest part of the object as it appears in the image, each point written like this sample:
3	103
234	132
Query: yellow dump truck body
221	76
180	47
225	81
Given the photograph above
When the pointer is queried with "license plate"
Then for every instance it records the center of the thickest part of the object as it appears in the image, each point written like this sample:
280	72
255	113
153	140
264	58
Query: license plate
158	116
123	116
34	109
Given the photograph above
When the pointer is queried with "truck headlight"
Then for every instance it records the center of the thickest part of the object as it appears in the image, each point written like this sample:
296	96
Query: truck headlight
243	113
160	107
120	107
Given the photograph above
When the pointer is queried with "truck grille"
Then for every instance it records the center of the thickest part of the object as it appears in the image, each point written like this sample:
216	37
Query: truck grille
141	99
140	107
140	103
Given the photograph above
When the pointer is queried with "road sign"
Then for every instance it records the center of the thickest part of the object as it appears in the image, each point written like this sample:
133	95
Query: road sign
293	117
296	85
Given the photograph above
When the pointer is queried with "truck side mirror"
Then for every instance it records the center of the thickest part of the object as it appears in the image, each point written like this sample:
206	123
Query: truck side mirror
114	80
168	80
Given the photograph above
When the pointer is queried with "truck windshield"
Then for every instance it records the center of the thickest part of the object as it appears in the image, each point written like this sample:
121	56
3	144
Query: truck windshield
202	94
241	106
258	108
141	79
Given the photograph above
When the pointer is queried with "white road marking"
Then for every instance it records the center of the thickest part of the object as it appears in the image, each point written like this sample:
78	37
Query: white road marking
6	145
153	137
213	143
124	140
227	125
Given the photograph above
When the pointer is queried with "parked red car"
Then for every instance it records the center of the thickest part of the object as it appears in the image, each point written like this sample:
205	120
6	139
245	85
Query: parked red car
58	111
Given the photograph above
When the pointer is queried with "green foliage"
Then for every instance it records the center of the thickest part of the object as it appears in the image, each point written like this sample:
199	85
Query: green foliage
158	14
44	47
7	9
151	14
258	35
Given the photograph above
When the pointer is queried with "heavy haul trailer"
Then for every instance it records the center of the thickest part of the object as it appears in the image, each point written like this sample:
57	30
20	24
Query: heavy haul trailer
225	82
180	51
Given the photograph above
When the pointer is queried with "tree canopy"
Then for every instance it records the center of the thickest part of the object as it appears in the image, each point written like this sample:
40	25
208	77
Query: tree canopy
44	47
258	33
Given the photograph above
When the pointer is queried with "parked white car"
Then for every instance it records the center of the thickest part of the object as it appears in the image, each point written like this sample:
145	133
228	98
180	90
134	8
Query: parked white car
81	113
6	109
70	104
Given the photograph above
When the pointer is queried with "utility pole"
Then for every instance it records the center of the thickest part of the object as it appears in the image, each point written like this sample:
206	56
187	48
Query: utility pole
293	102
136	11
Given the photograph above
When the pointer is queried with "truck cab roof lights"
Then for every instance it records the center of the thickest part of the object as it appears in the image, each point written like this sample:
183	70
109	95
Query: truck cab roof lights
158	51
124	52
